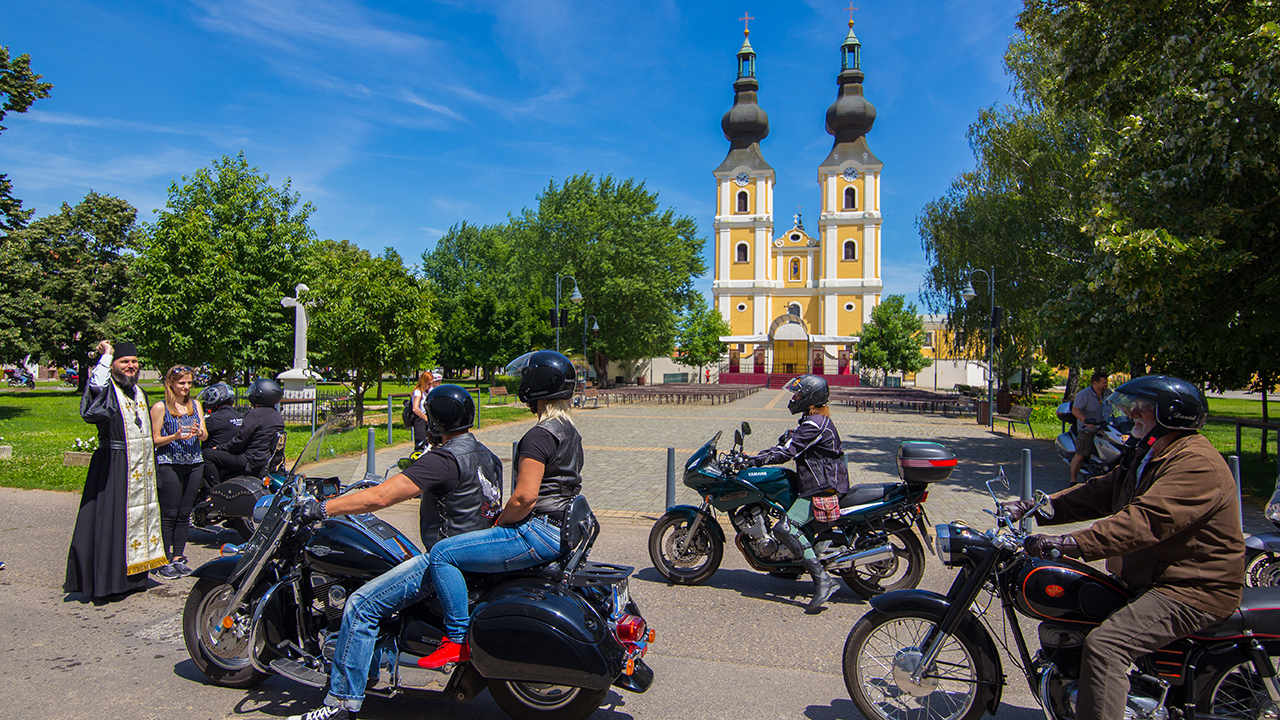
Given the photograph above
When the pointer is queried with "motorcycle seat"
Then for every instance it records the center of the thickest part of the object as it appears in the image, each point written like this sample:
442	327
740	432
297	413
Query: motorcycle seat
1259	613
863	494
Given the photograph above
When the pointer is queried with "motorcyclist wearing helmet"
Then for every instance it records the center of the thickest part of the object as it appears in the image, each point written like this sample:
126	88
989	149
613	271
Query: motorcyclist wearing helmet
815	446
460	481
1169	529
221	417
255	449
527	533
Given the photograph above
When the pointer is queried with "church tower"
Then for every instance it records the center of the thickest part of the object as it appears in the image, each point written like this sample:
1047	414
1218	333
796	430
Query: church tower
744	208
850	221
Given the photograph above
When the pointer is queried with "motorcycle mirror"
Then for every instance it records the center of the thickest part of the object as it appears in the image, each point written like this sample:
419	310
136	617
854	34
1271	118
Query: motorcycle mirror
746	428
737	438
1000	478
1044	506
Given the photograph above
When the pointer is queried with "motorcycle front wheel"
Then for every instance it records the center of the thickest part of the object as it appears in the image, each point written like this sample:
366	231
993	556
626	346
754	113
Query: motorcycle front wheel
883	651
541	701
224	659
903	571
699	559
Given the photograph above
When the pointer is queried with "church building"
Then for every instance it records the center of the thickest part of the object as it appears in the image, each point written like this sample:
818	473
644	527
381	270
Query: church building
796	299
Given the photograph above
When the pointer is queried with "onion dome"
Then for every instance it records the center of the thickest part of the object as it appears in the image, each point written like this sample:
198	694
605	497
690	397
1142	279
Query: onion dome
850	116
746	123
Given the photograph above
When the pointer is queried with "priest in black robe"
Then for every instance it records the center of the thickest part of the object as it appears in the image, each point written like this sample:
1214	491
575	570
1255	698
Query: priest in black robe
117	533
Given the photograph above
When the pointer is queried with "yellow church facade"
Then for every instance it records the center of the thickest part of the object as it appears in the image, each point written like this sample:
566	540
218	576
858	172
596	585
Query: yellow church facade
796	299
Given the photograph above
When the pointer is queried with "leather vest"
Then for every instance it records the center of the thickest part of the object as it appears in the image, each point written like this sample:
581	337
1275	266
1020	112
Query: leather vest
562	478
474	503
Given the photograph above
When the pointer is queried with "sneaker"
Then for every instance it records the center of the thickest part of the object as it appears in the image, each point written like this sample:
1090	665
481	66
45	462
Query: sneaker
181	565
326	712
448	652
168	572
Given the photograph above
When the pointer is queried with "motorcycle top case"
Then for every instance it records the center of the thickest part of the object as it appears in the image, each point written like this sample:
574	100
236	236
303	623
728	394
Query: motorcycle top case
924	462
525	630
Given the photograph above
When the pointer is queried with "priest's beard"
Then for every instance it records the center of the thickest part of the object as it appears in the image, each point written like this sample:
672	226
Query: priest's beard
125	382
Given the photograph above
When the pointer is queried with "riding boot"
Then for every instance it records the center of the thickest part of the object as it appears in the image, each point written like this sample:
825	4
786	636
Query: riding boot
824	586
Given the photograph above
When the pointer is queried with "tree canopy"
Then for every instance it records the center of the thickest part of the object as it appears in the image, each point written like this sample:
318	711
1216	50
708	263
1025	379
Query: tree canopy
212	269
892	340
19	88
698	338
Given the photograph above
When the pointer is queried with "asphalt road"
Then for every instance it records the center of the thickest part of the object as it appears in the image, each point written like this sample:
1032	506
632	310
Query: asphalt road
739	647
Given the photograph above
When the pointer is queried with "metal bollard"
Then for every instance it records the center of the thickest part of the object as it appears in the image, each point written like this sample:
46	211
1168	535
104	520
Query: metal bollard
315	402
671	477
371	463
389	416
1233	462
1027	491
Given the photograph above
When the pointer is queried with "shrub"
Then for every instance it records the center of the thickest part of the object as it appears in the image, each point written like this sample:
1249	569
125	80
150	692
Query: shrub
510	382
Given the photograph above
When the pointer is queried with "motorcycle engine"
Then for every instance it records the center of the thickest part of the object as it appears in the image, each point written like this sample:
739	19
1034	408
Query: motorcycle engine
329	598
752	523
1062	645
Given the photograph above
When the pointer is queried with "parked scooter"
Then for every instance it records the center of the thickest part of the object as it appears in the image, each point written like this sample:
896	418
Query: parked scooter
547	642
871	547
1108	442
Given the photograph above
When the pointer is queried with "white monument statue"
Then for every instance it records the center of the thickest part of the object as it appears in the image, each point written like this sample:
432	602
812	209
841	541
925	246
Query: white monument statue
298	381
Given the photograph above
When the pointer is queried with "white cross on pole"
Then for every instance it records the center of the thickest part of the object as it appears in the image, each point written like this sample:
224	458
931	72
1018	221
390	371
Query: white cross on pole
300	326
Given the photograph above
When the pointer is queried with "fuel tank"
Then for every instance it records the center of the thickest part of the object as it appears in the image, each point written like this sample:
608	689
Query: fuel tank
778	484
1065	590
357	546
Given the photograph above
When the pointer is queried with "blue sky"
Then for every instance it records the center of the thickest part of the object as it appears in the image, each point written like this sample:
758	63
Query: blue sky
400	119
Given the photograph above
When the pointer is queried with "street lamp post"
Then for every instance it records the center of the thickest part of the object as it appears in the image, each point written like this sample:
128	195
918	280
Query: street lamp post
576	297
595	327
969	294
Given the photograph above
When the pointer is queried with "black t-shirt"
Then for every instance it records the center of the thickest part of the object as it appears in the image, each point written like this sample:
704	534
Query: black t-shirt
538	444
435	472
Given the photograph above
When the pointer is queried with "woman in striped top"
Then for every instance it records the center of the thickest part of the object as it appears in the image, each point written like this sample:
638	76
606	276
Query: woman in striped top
177	427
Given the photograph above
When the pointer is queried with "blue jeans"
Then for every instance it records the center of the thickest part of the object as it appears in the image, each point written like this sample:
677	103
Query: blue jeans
498	549
402	586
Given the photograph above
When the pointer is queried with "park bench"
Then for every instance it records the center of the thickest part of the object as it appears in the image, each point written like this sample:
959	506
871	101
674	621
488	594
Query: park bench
1017	414
591	394
497	391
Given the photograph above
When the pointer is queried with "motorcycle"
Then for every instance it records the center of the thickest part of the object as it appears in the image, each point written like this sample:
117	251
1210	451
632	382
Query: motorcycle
1262	552
931	656
1108	442
70	378
547	642
22	379
871	547
232	503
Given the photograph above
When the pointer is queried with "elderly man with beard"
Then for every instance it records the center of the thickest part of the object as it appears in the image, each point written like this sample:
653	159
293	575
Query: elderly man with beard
1169	529
117	534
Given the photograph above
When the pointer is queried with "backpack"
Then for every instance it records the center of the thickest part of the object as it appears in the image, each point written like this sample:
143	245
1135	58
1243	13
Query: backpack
406	415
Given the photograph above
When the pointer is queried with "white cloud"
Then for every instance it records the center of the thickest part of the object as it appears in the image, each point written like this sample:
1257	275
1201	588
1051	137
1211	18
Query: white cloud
328	22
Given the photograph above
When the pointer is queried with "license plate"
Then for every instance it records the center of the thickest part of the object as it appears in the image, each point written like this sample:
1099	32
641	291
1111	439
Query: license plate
621	596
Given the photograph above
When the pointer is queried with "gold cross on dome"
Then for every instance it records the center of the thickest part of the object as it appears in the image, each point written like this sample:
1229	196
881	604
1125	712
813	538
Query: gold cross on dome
851	8
746	21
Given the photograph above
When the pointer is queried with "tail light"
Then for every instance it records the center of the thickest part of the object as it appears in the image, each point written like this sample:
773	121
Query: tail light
924	497
630	630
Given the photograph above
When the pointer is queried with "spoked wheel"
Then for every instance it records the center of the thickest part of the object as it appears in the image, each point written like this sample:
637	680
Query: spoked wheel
1237	692
1263	570
903	571
883	652
540	701
223	659
693	564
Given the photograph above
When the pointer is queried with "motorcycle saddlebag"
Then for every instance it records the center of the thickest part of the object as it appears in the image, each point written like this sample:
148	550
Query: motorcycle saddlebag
924	462
236	497
523	630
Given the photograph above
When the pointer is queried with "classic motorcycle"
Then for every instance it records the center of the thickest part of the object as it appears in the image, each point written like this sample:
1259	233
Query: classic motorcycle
924	655
871	547
1262	552
547	642
1108	443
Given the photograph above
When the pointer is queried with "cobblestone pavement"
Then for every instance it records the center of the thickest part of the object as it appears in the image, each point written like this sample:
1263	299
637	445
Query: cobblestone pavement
626	452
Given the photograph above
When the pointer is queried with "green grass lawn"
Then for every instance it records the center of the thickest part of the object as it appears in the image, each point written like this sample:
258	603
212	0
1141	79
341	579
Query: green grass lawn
42	424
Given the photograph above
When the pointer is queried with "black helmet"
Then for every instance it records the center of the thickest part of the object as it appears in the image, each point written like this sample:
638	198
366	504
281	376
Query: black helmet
217	395
544	375
265	393
449	409
1178	404
808	391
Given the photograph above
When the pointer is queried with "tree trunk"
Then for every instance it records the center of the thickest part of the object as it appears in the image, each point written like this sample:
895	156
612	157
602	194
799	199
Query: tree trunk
82	379
1073	378
1137	368
379	385
358	387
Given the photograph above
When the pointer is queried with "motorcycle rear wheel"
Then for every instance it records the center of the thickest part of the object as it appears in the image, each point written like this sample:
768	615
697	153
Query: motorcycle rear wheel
878	660
902	572
696	563
225	661
542	701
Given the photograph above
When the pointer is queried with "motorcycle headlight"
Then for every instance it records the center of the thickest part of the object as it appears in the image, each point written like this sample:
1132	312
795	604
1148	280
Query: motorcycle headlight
1273	511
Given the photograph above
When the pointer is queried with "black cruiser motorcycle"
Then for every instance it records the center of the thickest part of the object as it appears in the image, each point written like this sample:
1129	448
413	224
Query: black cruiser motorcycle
922	655
547	642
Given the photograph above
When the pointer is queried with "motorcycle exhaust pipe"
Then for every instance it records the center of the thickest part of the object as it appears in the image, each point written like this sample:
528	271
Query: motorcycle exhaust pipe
852	558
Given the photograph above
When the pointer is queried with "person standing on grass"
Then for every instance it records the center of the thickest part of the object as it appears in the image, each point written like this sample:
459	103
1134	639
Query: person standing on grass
117	537
177	427
417	402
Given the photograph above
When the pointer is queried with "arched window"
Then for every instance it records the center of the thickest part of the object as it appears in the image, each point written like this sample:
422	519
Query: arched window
742	201
742	252
795	268
850	198
794	309
850	250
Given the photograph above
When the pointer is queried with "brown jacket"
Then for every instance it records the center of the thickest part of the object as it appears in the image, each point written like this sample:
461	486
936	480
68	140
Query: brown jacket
1177	531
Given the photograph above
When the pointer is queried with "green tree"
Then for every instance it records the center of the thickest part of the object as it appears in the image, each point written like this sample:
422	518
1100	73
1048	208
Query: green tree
362	309
892	340
78	277
208	280
698	338
1186	177
19	87
633	261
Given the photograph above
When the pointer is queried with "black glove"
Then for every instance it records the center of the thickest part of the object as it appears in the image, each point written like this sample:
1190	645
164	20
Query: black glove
1017	509
311	510
1051	546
